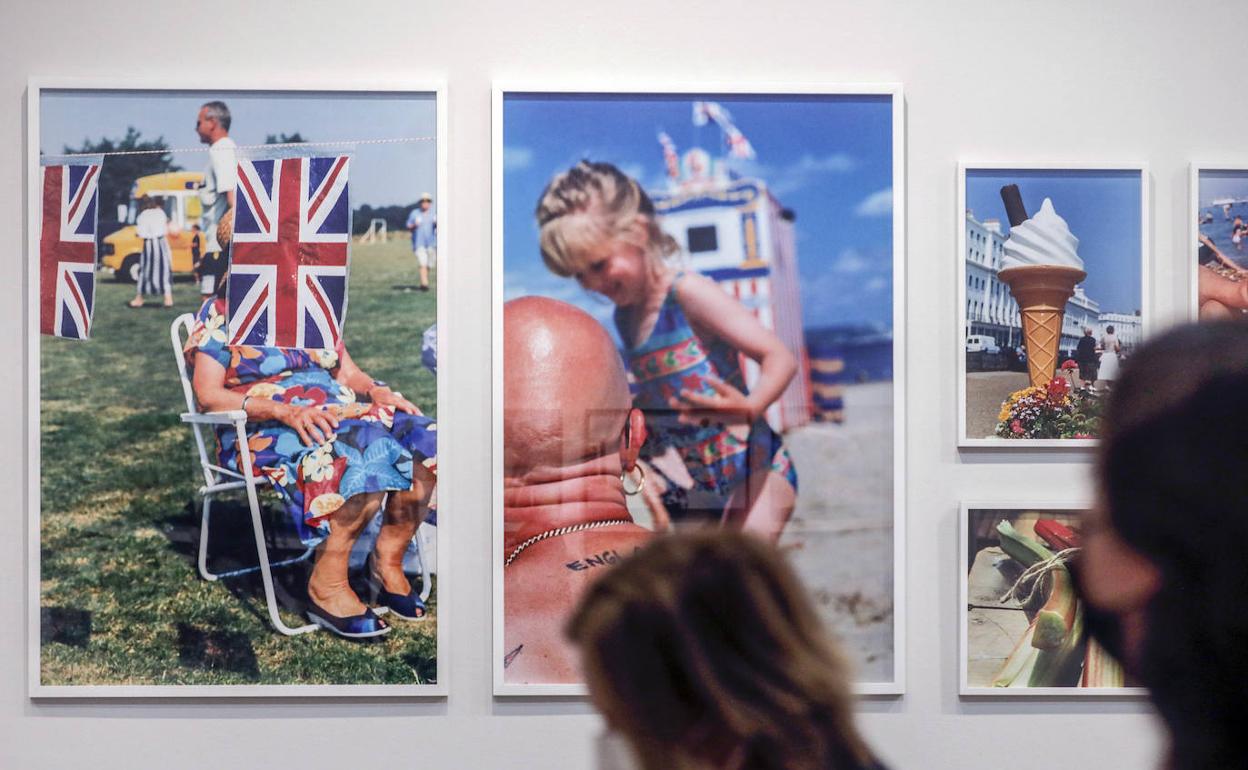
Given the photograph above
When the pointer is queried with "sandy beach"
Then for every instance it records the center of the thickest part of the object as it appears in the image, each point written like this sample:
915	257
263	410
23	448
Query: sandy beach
841	535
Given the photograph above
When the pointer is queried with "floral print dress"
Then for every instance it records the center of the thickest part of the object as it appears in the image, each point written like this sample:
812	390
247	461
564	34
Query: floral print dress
371	451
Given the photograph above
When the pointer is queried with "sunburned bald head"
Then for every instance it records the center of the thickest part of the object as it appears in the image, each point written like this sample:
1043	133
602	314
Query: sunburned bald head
565	394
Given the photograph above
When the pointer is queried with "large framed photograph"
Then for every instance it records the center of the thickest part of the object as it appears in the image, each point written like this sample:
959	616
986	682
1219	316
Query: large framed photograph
1218	260
1021	624
698	320
1053	296
232	480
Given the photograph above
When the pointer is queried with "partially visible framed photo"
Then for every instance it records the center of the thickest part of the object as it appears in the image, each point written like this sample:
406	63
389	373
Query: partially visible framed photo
1218	210
229	474
1021	625
1053	296
766	225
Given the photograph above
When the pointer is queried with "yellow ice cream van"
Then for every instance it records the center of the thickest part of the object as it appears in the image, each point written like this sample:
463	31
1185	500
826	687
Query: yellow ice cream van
177	192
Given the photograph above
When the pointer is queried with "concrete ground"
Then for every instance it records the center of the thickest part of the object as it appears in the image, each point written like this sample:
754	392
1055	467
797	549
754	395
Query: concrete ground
985	392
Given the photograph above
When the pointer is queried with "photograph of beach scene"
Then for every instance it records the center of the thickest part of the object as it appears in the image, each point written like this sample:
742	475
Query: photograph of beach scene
1051	299
145	584
736	254
1221	243
1023	628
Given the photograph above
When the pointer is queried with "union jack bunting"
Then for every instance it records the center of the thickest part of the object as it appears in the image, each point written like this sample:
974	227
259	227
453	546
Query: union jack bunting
670	158
291	247
67	247
738	145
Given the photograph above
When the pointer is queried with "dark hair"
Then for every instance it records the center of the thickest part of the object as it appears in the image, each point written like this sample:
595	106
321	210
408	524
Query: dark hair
706	643
218	112
1173	466
1109	329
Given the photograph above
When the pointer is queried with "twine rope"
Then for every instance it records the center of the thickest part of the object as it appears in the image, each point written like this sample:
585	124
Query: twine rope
1038	573
275	145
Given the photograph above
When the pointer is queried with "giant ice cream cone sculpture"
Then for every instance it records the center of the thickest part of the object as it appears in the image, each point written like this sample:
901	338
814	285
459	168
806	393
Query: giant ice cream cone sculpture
1041	267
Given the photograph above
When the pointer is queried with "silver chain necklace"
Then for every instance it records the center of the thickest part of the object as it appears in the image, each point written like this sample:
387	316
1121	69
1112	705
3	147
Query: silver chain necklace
561	531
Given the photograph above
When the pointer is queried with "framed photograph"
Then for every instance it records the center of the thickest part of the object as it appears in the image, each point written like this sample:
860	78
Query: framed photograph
1219	262
1021	626
232	480
1053	296
698	322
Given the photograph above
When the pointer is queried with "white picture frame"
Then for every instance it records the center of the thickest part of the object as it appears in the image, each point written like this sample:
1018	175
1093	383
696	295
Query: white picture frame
965	689
1148	322
503	88
1195	170
37	86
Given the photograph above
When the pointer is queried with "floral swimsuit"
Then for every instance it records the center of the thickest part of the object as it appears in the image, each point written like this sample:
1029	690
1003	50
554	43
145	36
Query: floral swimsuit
673	358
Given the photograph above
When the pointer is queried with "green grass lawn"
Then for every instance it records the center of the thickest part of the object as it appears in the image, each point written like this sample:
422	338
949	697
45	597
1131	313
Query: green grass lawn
122	602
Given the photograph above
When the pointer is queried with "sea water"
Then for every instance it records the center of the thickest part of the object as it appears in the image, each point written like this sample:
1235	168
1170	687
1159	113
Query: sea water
1219	231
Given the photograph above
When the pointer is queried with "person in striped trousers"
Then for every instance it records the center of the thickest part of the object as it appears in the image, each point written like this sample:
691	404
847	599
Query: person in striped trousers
155	271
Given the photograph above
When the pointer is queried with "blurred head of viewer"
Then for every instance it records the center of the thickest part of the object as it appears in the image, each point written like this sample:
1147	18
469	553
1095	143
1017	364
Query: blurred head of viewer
704	651
1162	569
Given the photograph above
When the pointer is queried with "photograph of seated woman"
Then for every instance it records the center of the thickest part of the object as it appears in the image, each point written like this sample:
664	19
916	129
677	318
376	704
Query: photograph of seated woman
714	454
703	650
334	443
1162	568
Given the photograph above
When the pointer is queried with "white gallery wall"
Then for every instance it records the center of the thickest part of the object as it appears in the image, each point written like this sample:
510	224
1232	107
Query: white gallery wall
985	80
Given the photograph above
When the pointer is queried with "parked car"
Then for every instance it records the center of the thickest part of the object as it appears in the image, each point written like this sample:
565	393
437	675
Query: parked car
982	343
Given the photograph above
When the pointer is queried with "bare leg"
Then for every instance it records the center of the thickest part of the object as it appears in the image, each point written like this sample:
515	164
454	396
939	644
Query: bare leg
1212	310
1232	294
404	513
762	505
328	585
424	276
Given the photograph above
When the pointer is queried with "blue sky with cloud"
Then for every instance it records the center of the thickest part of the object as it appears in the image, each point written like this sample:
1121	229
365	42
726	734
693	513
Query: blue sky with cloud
828	158
1102	209
381	174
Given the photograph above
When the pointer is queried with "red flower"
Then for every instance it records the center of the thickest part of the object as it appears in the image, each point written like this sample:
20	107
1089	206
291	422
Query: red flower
1058	388
297	394
1070	364
1016	427
691	383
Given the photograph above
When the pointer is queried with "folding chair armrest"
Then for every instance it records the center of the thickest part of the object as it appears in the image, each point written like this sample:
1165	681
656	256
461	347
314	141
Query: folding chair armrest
215	418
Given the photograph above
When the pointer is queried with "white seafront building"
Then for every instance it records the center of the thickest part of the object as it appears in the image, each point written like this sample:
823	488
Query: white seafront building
991	309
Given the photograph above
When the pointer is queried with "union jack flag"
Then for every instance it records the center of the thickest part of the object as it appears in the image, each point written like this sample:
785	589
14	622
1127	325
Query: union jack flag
67	249
291	246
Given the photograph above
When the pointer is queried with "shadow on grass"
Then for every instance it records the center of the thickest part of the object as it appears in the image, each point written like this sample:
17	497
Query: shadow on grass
66	625
214	650
232	546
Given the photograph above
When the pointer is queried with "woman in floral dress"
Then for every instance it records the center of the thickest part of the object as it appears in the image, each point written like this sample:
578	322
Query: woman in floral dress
331	455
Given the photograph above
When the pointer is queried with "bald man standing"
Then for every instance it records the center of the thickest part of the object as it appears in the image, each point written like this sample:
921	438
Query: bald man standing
570	445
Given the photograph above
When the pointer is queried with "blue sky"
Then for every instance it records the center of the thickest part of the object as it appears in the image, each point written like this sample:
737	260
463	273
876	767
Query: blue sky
380	174
1102	209
828	158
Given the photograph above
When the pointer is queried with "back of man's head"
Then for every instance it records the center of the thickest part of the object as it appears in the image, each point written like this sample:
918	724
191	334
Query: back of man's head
565	392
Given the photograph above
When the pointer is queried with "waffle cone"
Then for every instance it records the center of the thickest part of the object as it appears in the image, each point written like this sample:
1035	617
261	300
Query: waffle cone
1041	292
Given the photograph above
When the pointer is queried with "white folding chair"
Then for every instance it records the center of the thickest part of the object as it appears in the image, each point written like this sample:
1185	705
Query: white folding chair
218	480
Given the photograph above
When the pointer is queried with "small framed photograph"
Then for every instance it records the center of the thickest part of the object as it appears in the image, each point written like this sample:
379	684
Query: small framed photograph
1021	624
1219	251
699	310
1053	296
233	390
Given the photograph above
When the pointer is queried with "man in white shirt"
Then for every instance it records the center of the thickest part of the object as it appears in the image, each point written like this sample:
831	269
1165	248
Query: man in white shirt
217	191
